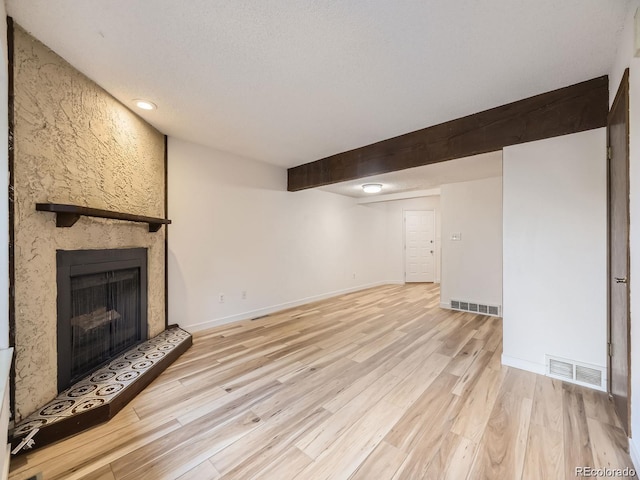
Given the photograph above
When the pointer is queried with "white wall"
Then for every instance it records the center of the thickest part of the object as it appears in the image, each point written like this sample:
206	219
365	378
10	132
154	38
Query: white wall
624	59
555	250
395	234
236	228
472	267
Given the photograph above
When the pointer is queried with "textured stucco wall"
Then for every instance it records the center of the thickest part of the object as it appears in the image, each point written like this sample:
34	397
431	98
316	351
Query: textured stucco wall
74	143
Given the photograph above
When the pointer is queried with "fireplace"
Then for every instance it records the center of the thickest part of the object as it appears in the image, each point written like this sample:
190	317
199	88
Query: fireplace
102	308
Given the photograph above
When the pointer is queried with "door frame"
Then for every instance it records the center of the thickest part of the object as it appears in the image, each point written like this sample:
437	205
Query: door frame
623	89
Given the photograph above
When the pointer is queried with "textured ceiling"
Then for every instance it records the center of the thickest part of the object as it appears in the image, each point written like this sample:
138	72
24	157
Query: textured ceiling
291	81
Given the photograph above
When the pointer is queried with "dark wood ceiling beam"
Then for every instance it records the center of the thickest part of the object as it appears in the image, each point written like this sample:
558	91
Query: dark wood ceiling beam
579	107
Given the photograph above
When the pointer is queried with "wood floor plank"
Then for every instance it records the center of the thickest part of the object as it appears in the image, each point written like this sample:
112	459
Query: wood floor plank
453	459
547	403
609	446
362	384
103	473
224	407
423	415
319	384
470	377
383	462
456	341
267	443
502	449
417	381
495	338
170	457
465	357
544	455
371	348
289	465
495	363
503	446
478	405
429	440
319	439
412	361
577	452
218	373
598	406
171	404
486	329
376	384
345	455
204	471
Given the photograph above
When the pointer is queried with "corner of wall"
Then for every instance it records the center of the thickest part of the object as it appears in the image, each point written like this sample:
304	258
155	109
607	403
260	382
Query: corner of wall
634	452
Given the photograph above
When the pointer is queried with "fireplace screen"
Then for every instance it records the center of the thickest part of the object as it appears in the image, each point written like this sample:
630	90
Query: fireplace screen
101	308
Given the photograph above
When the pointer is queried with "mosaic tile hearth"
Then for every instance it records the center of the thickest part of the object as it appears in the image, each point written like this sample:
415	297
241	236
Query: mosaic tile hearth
105	384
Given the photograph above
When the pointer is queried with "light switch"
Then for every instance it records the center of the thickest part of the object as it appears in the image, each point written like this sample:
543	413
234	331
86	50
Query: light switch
456	237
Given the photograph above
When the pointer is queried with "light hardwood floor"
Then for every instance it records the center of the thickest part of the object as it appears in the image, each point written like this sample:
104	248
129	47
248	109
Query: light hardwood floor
379	384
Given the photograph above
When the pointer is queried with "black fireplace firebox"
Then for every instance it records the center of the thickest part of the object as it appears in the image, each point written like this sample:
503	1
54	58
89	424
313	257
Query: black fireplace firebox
102	308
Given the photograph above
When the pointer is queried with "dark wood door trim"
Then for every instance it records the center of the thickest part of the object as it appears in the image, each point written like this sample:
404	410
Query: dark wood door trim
621	101
166	233
579	107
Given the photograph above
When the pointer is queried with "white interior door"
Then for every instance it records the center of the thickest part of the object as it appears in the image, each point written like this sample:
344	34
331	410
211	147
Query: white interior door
419	246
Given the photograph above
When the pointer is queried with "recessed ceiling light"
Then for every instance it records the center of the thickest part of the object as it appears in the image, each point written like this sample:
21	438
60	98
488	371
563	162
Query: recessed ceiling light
372	188
145	104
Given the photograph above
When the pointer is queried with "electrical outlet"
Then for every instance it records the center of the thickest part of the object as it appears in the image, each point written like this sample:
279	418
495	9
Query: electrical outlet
221	298
244	294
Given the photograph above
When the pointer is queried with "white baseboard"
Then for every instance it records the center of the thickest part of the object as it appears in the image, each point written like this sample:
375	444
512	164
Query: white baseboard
6	461
634	452
524	364
445	305
277	308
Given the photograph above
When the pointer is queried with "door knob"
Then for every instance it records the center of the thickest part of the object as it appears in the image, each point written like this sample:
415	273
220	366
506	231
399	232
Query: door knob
621	279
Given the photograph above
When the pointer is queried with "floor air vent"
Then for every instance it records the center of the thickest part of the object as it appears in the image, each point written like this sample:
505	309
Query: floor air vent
492	310
575	372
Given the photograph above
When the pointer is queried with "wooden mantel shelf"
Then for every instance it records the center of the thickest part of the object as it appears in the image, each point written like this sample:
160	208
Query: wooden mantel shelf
67	215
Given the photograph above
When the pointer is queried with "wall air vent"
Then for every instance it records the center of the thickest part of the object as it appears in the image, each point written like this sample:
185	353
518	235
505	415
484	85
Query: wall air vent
576	372
588	375
560	369
473	307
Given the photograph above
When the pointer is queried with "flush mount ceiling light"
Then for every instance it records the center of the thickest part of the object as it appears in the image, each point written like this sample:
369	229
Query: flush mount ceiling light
372	188
145	104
